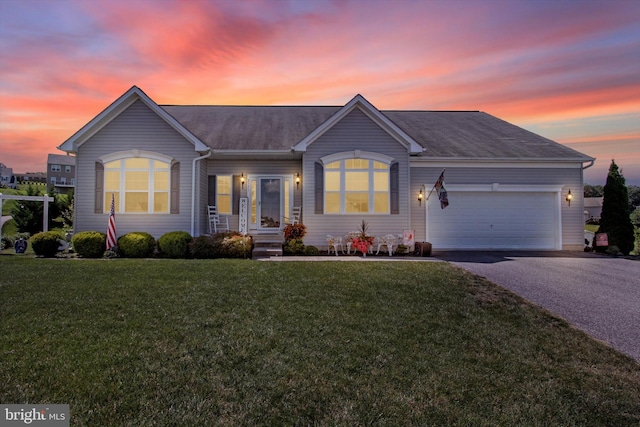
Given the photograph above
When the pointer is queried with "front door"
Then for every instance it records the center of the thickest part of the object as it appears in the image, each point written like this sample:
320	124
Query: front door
270	200
269	203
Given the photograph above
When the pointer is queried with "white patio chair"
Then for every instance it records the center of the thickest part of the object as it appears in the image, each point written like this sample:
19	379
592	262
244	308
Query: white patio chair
389	240
334	242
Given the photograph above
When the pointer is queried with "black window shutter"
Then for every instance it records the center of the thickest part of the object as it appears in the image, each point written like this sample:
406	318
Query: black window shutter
319	187
175	188
211	191
394	186
99	191
235	202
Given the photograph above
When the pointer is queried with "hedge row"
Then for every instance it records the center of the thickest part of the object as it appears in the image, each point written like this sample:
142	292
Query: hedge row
174	244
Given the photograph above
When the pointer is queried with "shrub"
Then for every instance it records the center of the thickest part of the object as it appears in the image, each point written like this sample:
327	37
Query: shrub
175	244
402	249
137	244
7	242
46	244
202	247
294	247
294	231
612	250
89	244
311	250
237	246
222	245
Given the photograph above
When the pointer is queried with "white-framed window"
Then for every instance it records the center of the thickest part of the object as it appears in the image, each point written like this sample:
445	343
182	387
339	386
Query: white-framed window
356	185
139	184
67	169
224	192
55	168
53	180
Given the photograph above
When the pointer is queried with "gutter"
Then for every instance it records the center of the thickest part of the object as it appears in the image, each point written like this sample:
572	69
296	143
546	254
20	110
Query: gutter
589	165
193	188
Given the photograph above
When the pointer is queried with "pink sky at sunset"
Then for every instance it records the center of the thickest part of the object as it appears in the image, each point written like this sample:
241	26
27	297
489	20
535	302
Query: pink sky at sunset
568	70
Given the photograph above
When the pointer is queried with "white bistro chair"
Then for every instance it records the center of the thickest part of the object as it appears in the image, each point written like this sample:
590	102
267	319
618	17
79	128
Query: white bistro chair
334	242
389	240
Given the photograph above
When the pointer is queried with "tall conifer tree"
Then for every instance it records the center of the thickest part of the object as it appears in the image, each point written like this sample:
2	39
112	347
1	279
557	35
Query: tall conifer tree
615	219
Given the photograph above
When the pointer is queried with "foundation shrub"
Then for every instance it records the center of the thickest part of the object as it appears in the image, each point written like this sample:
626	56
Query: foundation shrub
89	244
137	244
293	247
311	250
175	244
46	244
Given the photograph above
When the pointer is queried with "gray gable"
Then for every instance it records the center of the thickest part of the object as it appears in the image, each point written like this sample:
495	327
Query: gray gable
443	134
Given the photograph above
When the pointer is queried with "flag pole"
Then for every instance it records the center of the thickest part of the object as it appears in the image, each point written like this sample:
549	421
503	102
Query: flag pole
434	185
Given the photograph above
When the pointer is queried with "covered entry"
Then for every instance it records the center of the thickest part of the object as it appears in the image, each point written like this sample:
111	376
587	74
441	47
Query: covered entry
270	199
496	217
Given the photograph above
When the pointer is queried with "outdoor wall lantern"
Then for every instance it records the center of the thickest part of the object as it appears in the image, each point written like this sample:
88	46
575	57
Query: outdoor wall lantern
569	197
420	197
298	180
242	180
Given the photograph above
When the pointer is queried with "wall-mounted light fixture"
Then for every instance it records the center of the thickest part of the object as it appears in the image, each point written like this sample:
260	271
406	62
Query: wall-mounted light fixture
242	180
298	180
420	197
569	197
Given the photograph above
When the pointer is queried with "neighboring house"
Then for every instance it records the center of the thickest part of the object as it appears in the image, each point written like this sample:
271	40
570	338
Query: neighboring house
37	177
7	178
592	207
61	172
165	164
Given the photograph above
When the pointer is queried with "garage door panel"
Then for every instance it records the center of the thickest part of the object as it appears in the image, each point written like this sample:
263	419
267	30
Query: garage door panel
494	220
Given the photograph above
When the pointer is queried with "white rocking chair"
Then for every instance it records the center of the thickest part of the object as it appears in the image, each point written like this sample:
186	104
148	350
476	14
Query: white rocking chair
217	223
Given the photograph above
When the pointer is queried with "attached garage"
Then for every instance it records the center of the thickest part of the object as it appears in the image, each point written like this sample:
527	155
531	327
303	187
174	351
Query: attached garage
496	217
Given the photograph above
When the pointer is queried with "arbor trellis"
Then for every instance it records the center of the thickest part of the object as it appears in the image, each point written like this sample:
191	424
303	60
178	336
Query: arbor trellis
45	211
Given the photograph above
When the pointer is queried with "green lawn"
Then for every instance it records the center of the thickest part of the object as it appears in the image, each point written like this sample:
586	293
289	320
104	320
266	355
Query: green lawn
222	342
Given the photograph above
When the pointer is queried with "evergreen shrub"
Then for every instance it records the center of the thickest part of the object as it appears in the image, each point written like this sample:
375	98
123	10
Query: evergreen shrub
222	245
89	244
175	244
311	250
293	247
46	243
137	244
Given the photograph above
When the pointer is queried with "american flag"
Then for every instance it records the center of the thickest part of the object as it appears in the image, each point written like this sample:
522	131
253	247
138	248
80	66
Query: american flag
442	192
111	230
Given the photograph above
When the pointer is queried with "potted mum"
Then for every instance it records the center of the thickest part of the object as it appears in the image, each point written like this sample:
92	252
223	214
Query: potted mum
362	242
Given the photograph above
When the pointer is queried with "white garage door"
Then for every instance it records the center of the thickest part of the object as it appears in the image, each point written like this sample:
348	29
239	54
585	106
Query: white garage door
494	220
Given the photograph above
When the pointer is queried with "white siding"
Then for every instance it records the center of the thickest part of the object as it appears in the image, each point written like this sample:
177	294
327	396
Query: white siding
355	132
136	128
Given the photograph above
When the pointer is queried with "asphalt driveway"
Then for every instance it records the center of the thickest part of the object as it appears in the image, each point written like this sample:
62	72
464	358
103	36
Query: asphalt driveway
598	294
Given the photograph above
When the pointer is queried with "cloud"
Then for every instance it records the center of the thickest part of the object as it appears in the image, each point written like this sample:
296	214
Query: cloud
532	63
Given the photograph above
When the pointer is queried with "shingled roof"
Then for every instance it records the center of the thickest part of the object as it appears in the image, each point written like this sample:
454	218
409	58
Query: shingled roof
443	134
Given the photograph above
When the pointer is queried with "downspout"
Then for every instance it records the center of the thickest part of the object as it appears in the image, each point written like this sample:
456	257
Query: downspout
193	189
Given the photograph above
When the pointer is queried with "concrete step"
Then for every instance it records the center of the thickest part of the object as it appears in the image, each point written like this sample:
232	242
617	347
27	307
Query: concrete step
267	245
